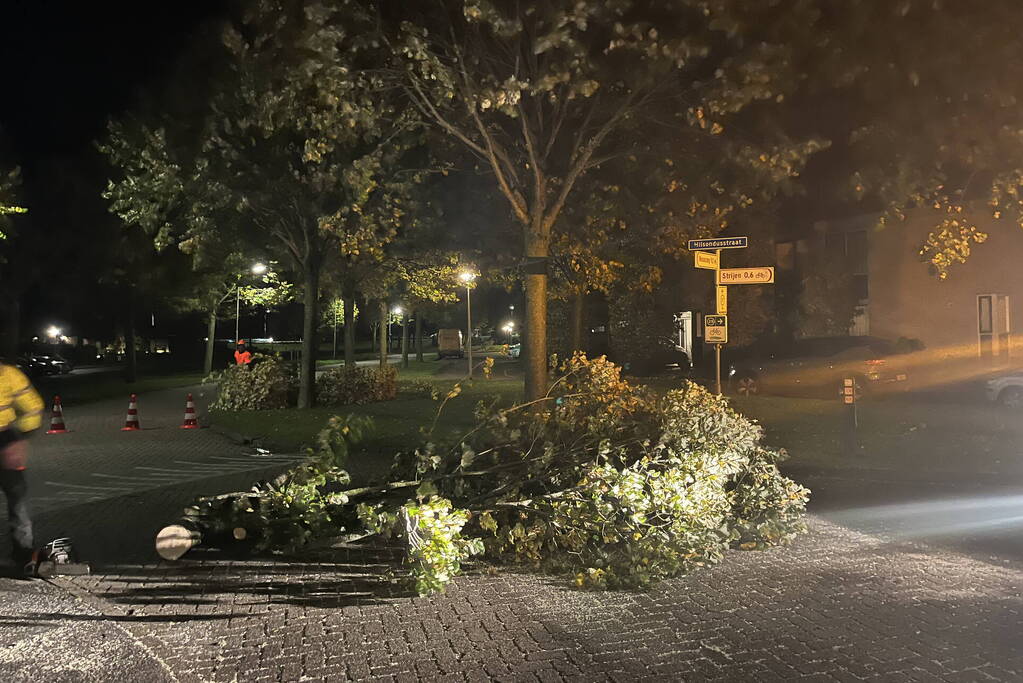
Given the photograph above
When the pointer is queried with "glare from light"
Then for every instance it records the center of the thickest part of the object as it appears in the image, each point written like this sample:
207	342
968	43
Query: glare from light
467	276
53	331
397	310
259	269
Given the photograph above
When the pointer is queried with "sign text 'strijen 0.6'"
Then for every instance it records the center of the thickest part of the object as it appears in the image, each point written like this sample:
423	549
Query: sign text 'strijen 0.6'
763	275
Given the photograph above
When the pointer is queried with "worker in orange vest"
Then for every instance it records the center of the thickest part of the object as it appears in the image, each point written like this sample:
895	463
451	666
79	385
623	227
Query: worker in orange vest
242	355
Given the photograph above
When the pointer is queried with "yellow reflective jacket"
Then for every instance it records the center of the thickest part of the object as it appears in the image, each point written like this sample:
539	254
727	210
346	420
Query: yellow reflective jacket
21	408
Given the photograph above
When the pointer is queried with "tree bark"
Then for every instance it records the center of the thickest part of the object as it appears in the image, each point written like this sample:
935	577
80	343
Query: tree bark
404	340
577	320
419	337
383	334
310	316
535	339
349	330
211	340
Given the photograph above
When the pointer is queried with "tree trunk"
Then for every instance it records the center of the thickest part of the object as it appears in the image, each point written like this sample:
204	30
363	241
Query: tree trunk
535	319
349	330
419	337
404	340
383	334
576	320
310	316
211	340
131	365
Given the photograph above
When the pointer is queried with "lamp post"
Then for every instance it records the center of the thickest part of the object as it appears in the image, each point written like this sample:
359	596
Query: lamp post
257	269
468	277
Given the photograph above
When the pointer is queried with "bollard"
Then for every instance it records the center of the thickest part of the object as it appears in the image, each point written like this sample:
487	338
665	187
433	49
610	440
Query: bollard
850	392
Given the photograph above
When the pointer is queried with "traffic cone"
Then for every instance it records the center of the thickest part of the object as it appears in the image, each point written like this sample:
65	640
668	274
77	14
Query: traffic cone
57	418
190	421
131	423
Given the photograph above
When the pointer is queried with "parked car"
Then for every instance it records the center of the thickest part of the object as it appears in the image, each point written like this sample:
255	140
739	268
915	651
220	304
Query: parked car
1006	390
449	344
35	365
514	350
657	355
816	366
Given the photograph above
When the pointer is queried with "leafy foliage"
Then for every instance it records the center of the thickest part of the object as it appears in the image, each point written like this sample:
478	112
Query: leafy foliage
349	385
9	183
600	479
267	384
299	506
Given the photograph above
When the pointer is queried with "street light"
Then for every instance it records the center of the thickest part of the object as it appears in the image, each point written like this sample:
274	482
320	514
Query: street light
257	269
397	310
468	277
53	332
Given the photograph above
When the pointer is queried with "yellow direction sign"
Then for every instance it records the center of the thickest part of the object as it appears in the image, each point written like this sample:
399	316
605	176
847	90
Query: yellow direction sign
707	259
715	329
746	276
722	292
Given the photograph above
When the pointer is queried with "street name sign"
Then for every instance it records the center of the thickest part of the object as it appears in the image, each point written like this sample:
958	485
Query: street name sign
719	243
722	295
746	276
707	259
715	329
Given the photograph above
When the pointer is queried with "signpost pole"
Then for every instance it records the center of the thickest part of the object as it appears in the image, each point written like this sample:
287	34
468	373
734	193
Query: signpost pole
717	347
717	354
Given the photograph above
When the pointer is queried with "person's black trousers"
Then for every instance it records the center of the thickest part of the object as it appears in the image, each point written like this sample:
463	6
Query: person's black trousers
15	488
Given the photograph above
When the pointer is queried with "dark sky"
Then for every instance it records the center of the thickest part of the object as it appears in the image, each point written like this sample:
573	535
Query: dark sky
67	66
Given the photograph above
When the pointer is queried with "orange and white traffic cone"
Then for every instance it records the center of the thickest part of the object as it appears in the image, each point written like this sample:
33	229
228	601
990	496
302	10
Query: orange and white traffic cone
190	420
131	423
57	418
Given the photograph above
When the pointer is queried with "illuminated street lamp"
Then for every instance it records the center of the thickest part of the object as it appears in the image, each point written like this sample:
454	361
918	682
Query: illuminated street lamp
53	332
257	269
397	310
509	329
468	277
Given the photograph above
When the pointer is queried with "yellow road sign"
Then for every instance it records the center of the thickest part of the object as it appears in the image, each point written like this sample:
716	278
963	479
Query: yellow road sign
746	276
715	329
722	292
707	259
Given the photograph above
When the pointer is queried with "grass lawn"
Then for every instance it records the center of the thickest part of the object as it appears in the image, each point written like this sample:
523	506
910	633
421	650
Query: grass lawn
77	389
397	423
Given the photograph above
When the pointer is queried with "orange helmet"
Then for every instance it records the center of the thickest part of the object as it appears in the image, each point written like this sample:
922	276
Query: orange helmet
240	342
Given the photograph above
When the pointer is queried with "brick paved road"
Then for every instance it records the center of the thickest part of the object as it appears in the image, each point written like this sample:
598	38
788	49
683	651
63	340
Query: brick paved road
837	605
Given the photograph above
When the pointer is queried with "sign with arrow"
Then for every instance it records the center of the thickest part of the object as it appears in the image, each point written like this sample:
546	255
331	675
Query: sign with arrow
715	329
746	276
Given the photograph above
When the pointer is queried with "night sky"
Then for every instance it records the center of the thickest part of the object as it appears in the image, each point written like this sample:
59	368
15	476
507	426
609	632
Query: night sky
68	67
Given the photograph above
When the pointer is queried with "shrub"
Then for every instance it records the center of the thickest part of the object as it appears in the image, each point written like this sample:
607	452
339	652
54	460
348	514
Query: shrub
265	385
419	388
355	385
